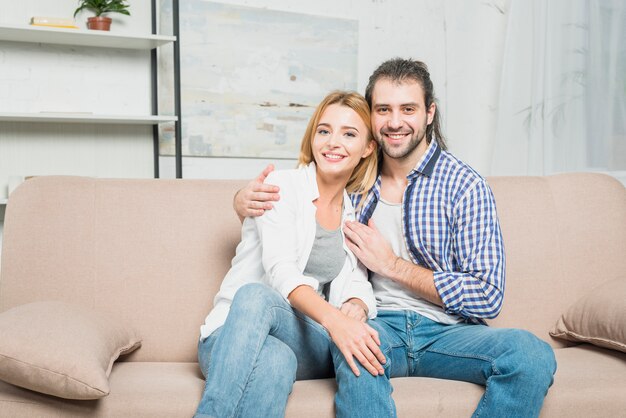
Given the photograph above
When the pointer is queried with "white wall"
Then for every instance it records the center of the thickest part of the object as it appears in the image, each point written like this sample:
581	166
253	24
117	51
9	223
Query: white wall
461	42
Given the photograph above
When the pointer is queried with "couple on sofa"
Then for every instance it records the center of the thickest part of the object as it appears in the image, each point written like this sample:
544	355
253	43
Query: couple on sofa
298	303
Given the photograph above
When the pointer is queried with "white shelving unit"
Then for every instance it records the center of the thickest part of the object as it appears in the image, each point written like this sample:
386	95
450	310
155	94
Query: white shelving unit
85	118
79	37
90	38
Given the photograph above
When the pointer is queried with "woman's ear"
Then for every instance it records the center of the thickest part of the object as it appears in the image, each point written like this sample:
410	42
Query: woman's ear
369	148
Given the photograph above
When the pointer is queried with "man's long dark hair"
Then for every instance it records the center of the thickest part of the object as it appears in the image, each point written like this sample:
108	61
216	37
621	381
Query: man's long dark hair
400	70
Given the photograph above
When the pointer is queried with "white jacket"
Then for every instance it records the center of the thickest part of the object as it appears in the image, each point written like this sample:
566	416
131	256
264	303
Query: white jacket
275	249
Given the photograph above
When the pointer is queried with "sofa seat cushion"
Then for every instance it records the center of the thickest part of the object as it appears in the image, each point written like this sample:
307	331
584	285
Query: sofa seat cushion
429	397
590	381
138	389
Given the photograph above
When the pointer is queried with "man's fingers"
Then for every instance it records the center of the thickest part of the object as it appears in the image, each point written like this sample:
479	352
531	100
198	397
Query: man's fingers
254	205
255	212
263	196
265	173
357	232
351	235
268	189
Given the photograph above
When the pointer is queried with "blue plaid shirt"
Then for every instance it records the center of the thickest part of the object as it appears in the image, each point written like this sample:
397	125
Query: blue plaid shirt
451	227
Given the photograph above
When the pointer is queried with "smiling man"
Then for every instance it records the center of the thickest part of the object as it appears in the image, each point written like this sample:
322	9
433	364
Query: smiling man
429	234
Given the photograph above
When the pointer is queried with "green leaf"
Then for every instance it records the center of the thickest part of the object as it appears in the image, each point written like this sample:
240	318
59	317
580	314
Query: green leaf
103	6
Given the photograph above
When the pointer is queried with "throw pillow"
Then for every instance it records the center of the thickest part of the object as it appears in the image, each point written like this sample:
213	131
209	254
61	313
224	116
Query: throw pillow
61	349
598	318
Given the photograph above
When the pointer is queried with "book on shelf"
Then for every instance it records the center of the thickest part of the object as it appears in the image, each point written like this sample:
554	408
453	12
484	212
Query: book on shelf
53	22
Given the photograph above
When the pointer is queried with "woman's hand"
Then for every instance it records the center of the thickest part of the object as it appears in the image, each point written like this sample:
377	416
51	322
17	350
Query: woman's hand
355	308
356	339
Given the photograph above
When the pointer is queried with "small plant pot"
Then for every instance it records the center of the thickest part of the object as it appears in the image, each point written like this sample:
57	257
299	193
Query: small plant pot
99	23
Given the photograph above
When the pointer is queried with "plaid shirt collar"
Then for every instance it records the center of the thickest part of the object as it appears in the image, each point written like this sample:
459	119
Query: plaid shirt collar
426	165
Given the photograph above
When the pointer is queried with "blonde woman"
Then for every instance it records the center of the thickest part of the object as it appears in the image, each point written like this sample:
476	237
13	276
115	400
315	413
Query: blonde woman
296	298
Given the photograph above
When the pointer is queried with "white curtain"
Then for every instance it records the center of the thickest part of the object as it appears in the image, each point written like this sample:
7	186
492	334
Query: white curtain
563	89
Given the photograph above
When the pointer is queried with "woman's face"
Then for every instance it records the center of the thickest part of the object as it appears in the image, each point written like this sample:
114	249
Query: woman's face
341	139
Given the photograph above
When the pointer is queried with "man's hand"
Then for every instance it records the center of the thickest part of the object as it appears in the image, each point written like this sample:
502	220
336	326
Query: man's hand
370	247
256	197
355	308
373	250
356	340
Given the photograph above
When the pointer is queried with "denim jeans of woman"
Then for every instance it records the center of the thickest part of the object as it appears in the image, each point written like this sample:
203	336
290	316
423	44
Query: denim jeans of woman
516	367
251	362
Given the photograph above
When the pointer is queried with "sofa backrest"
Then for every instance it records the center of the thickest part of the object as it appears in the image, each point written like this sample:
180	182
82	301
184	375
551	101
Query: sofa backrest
563	235
155	251
151	251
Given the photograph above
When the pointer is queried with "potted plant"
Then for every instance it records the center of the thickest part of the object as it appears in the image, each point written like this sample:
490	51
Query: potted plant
99	7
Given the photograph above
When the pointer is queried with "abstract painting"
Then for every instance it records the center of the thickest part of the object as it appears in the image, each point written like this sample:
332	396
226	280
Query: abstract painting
251	77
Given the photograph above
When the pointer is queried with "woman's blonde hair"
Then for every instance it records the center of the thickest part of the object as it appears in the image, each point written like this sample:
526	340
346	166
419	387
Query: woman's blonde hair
364	174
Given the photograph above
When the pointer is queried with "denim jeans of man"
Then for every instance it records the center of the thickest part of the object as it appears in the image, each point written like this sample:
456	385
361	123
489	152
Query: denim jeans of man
252	361
515	367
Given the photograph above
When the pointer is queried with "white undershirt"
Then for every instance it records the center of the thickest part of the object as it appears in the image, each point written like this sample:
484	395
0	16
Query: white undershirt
389	294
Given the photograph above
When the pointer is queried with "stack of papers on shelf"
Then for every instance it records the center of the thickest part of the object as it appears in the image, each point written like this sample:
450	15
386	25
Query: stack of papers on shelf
54	22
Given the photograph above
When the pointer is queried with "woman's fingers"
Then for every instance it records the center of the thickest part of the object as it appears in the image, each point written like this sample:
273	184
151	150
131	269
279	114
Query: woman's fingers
348	356
374	347
368	353
367	360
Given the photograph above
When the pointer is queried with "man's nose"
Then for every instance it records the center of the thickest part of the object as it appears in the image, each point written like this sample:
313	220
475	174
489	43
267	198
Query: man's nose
394	122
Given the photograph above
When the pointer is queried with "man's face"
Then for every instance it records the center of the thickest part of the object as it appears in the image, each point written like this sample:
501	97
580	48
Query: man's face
400	118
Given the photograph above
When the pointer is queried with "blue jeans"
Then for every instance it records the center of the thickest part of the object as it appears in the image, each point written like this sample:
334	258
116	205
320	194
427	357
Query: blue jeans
516	367
251	362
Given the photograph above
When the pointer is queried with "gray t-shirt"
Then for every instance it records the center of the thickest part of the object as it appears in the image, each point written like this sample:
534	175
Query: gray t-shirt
389	294
327	257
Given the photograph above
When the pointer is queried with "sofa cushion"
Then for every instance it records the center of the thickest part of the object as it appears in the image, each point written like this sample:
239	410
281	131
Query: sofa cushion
138	389
60	349
598	318
589	382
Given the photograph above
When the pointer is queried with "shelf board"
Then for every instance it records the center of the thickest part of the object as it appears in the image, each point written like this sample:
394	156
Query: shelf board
85	118
81	37
4	201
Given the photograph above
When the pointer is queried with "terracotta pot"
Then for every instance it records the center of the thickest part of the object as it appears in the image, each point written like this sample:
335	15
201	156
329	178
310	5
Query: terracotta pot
99	23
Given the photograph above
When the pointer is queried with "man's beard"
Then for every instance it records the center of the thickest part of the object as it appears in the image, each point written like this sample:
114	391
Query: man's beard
400	153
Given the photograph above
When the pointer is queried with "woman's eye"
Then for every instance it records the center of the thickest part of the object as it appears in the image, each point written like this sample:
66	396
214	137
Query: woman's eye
351	134
323	132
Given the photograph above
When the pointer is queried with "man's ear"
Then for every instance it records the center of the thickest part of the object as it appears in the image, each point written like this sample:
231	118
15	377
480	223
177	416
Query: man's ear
431	113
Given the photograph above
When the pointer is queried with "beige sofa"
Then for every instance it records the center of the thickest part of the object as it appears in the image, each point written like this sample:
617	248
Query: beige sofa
152	253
